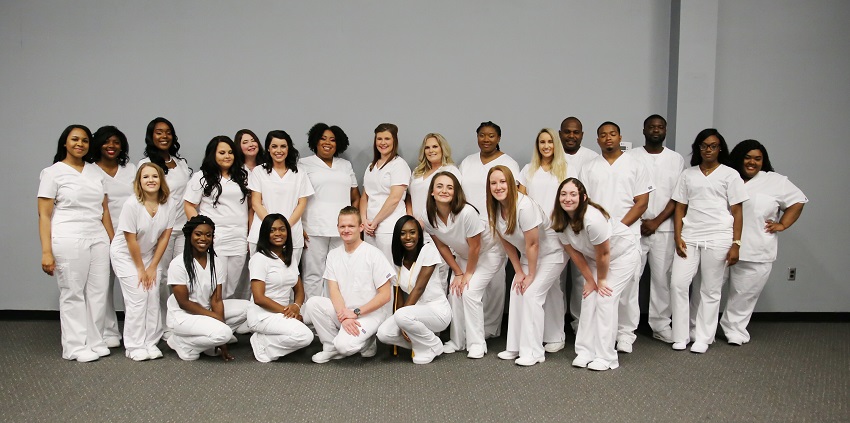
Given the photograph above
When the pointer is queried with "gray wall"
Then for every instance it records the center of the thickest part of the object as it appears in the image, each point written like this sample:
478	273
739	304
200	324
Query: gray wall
215	67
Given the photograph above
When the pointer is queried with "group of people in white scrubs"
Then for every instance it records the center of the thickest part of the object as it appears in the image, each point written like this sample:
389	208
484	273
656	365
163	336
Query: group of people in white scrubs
288	249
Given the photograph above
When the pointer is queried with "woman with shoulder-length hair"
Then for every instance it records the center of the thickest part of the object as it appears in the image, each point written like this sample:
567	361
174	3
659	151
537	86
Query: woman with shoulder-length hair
220	191
537	257
384	186
275	317
435	156
249	149
707	227
75	229
472	254
422	309
335	186
111	152
144	228
774	205
606	253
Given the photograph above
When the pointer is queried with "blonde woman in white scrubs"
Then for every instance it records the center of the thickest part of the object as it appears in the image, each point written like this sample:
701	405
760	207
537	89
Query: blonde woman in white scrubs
774	205
110	151
335	186
707	230
144	229
435	156
541	178
537	257
75	229
471	253
606	253
384	187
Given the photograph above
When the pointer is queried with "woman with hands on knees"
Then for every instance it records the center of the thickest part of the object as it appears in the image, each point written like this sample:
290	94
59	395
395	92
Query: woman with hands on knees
535	254
423	308
455	226
606	253
144	226
274	319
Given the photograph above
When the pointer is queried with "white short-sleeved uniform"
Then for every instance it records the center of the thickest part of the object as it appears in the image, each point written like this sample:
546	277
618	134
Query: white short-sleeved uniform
280	195
136	219
77	198
177	180
542	186
201	291
474	178
708	199
377	183
418	190
597	230
458	228
332	191
614	186
230	214
529	215
278	277
359	274
664	169
582	156
118	189
769	194
434	292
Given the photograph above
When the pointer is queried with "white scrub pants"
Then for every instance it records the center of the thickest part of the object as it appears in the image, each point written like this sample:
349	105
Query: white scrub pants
525	316
175	247
555	310
658	249
468	310
576	284
597	328
746	281
494	301
419	322
110	319
710	258
320	311
275	335
142	328
629	308
82	272
234	284
192	334
314	256
384	242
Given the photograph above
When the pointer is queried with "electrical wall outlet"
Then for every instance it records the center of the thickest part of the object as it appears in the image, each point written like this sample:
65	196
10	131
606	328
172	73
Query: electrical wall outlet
792	273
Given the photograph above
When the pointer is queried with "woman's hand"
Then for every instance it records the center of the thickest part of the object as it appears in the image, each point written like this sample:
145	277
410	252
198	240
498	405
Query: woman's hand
48	263
404	335
225	354
603	289
306	238
149	279
458	284
589	286
370	227
517	284
732	255
292	311
681	248
772	227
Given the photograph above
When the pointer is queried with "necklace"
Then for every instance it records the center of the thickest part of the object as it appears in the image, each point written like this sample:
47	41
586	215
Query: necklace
152	210
707	171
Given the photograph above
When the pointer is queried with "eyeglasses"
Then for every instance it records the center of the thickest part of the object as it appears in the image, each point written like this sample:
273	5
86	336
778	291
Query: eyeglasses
709	147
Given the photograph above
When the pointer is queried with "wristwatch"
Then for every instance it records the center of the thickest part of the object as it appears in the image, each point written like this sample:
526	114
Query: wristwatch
357	310
737	242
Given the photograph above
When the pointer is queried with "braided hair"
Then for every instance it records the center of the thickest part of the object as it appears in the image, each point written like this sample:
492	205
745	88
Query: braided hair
188	257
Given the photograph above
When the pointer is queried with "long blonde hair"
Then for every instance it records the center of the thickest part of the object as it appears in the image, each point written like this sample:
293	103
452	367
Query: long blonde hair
559	158
424	165
511	200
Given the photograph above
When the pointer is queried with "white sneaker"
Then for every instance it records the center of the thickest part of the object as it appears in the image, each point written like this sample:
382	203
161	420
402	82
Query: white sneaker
139	354
624	347
450	347
553	347
370	349
508	355
112	342
325	356
259	350
600	366
86	356
665	335
581	362
154	352
680	346
476	351
699	347
734	340
529	361
174	344
101	351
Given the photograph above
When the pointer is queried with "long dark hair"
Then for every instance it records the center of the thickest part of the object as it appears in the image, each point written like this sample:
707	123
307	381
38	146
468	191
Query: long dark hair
263	245
100	136
456	205
189	258
316	132
397	247
561	220
62	151
736	157
722	156
152	152
211	179
237	139
291	160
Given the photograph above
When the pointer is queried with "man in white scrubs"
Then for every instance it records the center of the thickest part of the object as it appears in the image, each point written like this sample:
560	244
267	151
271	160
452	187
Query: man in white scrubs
621	185
656	228
358	278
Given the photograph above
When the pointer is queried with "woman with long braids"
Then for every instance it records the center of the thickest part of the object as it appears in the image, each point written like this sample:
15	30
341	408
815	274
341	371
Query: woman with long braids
199	319
220	191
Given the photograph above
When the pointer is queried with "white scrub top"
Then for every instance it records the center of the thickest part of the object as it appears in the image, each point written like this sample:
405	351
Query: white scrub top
434	292
615	186
359	274
332	187
118	189
77	200
582	156
529	215
769	194
542	186
458	228
279	278
177	180
230	215
474	178
708	199
664	170
597	230
135	219
418	190
280	195
202	290
377	183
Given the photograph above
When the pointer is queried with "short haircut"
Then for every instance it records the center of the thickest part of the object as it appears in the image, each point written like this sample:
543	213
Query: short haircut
316	132
350	211
655	116
607	122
